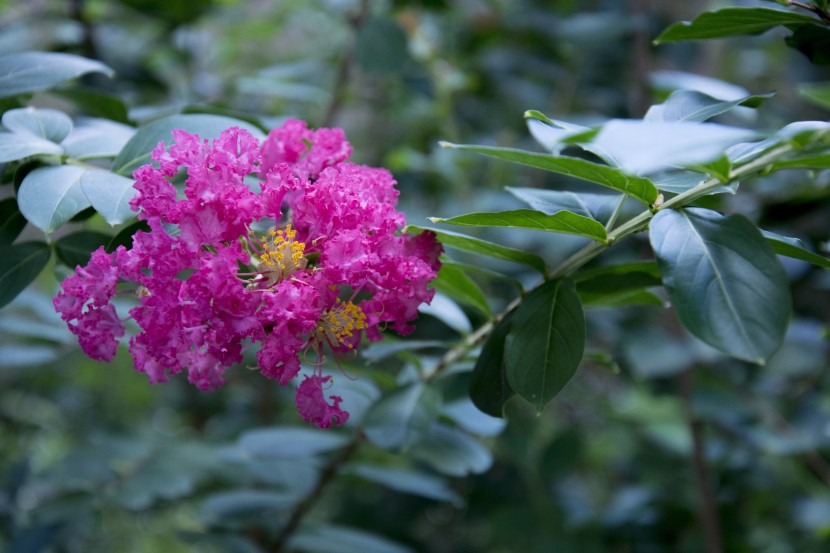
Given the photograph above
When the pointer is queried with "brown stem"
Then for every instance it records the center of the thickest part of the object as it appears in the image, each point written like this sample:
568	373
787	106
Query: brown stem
823	15
327	476
344	69
708	504
89	48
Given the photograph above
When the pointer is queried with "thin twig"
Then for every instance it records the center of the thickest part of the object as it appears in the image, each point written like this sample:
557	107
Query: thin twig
708	504
344	69
327	476
823	15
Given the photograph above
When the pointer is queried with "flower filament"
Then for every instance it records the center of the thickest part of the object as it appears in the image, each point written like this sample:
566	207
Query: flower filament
281	254
337	325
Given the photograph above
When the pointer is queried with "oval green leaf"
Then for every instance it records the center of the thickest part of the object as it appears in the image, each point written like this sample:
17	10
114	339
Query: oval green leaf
138	150
489	389
12	221
30	71
109	194
725	281
51	196
691	105
565	222
483	247
453	452
637	187
76	248
51	124
97	138
731	21
645	147
455	283
795	248
15	146
546	341
19	266
404	416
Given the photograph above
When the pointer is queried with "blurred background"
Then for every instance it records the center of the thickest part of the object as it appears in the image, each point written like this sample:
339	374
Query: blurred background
92	458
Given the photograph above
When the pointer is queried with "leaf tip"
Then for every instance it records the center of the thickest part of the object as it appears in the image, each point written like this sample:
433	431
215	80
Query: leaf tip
435	219
445	144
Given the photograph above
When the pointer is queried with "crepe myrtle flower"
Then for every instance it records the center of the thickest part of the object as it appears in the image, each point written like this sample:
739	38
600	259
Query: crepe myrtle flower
333	269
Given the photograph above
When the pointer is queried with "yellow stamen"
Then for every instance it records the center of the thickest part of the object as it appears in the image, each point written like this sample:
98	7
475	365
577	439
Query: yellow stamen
281	254
340	322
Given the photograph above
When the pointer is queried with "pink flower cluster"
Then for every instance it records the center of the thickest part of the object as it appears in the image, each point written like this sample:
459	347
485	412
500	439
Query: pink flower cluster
328	266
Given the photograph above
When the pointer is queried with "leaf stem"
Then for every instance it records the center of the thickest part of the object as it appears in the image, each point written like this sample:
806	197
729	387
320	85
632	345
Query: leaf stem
616	214
590	251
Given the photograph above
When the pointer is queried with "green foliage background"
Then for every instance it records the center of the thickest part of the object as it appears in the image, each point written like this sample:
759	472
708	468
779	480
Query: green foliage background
95	459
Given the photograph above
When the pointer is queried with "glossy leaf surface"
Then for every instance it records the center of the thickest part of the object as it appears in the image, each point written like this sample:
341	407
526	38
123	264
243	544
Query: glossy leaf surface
545	343
484	247
51	196
19	265
12	221
138	150
725	281
109	194
645	147
76	248
489	388
51	124
403	416
31	71
795	248
604	175
731	21
15	146
563	221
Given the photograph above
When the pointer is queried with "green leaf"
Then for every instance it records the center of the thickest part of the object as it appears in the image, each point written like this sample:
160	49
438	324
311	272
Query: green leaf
452	452
691	105
138	150
76	248
719	168
483	247
454	282
51	196
408	481
636	187
725	282
489	389
19	265
795	248
811	40
645	147
51	124
240	505
595	206
125	236
289	442
332	538
677	180
96	103
595	286
546	341
109	194
816	93
15	146
12	221
403	417
731	21
564	221
97	138
624	299
31	71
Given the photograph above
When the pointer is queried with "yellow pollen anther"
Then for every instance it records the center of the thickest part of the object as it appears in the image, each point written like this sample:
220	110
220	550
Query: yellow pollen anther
340	322
281	254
